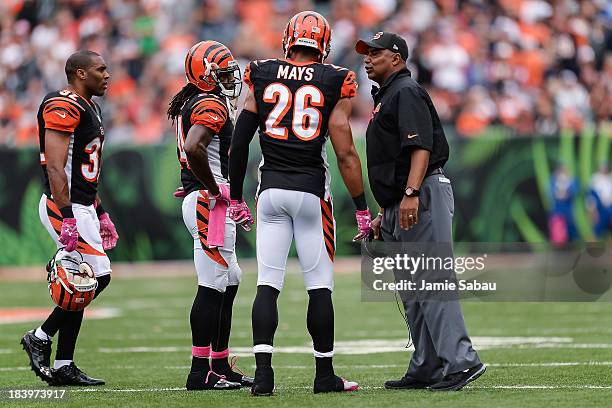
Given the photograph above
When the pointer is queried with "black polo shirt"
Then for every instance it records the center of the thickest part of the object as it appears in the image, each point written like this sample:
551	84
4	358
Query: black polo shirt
403	118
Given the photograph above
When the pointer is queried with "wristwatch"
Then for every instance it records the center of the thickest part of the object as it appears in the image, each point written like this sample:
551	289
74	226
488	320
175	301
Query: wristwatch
411	192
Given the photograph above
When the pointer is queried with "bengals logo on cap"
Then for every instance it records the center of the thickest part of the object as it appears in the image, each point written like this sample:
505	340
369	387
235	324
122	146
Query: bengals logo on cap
377	35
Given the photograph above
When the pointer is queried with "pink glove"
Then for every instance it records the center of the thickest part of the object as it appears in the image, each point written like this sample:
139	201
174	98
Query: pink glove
224	193
363	224
179	193
69	235
239	212
108	232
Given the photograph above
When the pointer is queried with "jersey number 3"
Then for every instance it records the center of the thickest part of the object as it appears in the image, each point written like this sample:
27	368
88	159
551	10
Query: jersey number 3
91	170
306	122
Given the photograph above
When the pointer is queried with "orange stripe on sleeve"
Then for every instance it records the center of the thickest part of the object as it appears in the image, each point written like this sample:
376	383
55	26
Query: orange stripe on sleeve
210	113
61	115
349	86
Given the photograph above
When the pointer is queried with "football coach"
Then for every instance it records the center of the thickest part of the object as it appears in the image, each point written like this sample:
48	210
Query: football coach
406	151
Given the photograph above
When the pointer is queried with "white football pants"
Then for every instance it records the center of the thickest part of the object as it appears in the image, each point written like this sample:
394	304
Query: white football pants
88	225
217	268
283	215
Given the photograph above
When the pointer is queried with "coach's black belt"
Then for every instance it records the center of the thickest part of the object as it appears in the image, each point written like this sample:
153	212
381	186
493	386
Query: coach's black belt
433	172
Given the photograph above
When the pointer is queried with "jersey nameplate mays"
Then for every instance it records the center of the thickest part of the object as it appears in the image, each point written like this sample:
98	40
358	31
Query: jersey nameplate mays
296	73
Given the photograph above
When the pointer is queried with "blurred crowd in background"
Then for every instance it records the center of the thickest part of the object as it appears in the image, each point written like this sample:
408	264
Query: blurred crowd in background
529	66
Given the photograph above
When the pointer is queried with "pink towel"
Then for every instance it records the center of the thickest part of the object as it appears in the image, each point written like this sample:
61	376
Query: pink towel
216	224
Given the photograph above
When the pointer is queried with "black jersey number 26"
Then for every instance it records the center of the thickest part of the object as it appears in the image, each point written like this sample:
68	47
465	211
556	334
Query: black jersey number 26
306	119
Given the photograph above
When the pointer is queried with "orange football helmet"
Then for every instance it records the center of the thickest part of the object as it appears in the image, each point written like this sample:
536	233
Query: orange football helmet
72	283
308	29
210	64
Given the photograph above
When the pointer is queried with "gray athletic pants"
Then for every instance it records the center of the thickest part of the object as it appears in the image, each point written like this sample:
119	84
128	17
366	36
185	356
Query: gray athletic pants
441	342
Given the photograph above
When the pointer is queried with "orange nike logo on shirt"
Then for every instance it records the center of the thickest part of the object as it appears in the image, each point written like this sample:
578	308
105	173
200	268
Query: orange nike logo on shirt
61	115
213	117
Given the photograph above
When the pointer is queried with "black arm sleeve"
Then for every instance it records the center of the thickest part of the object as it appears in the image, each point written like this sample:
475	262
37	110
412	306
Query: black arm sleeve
246	125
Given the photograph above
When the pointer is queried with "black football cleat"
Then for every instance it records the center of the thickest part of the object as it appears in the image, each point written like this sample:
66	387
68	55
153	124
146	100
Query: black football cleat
406	383
263	384
209	380
240	378
226	371
70	374
39	352
456	381
333	384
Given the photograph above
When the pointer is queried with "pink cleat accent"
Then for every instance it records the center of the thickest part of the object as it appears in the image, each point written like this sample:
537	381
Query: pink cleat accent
350	385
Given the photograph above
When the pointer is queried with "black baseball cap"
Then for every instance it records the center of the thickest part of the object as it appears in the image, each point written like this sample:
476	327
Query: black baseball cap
384	40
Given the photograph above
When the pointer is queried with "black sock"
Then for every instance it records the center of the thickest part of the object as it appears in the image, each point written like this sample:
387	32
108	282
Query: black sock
54	321
320	322
323	367
264	316
103	282
220	365
263	359
199	364
264	321
68	334
204	316
221	340
320	319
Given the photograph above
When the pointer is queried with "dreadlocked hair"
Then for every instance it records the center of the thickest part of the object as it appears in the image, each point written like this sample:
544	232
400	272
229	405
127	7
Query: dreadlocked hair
176	104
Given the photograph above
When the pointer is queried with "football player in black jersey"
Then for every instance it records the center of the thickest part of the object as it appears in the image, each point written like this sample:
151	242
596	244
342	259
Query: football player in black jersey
203	114
296	103
71	139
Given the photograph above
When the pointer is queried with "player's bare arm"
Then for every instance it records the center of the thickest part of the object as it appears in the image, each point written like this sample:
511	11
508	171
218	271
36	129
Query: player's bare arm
349	163
56	148
197	141
342	141
249	103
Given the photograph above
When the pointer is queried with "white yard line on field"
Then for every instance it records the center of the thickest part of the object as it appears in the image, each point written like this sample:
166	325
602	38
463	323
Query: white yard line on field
569	346
9	369
374	346
553	364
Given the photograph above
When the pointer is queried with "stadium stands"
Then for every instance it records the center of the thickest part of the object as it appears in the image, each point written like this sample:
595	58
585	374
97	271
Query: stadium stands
531	66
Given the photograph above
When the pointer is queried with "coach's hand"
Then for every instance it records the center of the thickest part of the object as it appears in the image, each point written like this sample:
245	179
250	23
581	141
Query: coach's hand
375	224
364	219
408	212
69	235
239	212
108	232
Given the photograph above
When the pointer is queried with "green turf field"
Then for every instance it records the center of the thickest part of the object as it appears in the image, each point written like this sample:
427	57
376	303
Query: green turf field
545	353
